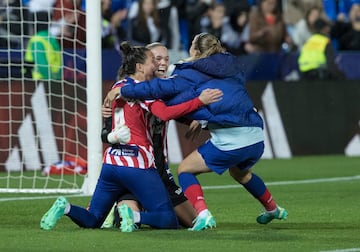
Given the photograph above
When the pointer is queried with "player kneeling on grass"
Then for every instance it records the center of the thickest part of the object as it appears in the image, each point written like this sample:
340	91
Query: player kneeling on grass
236	128
130	166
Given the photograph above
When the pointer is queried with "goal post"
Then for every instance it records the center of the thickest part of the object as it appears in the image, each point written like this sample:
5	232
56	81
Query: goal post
94	94
50	126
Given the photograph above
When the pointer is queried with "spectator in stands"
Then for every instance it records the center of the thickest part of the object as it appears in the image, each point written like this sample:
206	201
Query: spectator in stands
228	30
348	33
317	56
214	20
10	24
69	20
267	27
231	5
168	21
190	16
43	58
304	28
295	10
107	35
335	9
39	13
174	26
118	17
144	28
180	6
164	10
236	38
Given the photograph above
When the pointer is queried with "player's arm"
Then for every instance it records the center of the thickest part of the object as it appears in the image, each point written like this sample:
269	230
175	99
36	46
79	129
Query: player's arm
113	134
106	129
157	88
166	113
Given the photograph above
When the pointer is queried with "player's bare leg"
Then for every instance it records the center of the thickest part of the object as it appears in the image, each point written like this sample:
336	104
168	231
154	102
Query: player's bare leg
185	213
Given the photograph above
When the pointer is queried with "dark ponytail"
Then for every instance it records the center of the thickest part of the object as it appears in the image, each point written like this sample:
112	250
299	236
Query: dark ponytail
131	55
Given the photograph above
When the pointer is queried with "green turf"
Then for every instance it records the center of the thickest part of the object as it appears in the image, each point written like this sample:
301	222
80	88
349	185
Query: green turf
323	216
34	179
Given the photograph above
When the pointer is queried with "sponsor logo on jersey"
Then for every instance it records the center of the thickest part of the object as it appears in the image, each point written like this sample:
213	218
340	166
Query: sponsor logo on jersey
125	150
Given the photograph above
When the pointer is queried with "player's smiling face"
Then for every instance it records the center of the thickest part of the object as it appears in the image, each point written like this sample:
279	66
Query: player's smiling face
162	60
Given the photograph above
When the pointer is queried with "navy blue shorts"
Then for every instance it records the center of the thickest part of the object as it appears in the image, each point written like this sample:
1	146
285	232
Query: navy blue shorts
219	161
145	184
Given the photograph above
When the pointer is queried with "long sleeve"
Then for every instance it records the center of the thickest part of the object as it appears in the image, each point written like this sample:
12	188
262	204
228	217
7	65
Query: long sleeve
156	88
166	113
106	129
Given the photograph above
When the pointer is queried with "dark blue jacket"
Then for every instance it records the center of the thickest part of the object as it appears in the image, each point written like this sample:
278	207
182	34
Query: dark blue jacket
221	71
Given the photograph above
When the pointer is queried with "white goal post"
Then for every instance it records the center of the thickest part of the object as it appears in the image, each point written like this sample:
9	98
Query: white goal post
50	129
94	91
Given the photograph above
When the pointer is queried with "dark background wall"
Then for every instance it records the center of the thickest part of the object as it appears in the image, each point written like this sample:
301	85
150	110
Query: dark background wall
318	117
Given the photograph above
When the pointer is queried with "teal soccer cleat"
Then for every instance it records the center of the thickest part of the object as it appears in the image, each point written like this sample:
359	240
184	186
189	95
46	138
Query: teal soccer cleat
266	217
204	222
127	222
51	217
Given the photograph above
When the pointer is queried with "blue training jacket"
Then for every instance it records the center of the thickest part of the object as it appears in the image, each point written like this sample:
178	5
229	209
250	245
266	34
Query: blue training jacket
221	71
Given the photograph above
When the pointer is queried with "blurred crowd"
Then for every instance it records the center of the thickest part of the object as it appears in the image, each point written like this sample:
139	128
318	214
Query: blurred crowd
315	29
243	26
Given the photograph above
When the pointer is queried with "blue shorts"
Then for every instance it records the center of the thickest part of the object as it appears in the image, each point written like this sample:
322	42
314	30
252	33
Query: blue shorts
114	181
219	161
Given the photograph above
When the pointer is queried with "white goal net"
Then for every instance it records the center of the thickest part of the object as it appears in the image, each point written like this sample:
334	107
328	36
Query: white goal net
45	97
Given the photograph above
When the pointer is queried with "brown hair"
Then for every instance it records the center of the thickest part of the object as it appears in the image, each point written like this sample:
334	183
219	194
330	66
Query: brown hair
131	55
154	14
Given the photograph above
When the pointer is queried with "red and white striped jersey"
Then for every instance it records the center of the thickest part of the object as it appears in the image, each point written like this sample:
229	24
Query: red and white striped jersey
139	117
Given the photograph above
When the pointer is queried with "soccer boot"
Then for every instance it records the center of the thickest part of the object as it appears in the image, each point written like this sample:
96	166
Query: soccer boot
109	221
204	222
51	217
266	217
127	222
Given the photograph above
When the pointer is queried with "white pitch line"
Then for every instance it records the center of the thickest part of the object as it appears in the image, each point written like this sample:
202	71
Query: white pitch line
342	250
292	182
41	197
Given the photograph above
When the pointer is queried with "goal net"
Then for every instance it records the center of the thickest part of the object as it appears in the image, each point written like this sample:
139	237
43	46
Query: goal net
49	142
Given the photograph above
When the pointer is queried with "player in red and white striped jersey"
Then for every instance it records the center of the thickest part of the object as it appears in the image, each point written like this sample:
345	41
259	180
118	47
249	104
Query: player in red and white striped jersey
138	117
183	208
129	166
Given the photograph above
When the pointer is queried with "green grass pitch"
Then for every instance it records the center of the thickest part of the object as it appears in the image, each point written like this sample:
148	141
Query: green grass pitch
321	194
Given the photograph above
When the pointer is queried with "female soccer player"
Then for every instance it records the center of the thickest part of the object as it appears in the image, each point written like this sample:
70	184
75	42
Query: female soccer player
236	129
130	166
182	207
